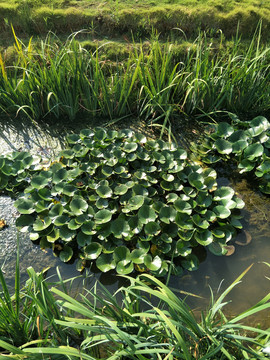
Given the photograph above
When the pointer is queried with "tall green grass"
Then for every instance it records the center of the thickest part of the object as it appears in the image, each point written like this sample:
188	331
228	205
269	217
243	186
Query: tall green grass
155	83
143	320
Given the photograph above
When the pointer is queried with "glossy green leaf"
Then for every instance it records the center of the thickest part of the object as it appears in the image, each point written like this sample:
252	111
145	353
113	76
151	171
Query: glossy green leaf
66	234
41	224
253	151
152	228
103	216
92	251
105	262
191	262
78	205
221	211
152	263
56	210
224	192
183	206
224	130
104	191
66	254
137	256
39	181
24	206
120	228
203	237
167	214
197	180
200	222
217	249
223	146
146	214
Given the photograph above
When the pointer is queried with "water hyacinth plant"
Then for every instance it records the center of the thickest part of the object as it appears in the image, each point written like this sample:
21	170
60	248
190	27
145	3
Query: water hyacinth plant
246	142
16	169
128	203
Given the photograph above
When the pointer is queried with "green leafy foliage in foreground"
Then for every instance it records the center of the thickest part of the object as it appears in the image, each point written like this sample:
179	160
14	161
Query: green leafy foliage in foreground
128	202
143	320
246	142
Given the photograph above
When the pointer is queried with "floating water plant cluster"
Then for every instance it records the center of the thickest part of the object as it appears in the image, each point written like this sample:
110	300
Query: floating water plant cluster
247	143
128	203
16	169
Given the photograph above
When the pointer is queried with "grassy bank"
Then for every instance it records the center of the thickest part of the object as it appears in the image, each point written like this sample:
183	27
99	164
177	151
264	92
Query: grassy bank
139	18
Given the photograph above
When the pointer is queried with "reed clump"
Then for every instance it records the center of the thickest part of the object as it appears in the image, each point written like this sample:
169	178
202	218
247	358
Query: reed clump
156	82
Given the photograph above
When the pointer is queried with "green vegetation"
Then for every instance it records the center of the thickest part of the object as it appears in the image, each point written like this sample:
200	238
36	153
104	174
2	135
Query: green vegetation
118	18
126	201
157	83
148	321
117	198
247	141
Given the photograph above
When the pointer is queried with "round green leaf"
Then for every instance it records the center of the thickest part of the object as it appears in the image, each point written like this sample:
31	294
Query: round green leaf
39	181
105	262
253	151
53	236
152	264
146	214
122	253
130	147
217	249
120	228
123	269
92	251
59	175
135	202
224	192
182	248
78	205
200	222
120	189
56	210
24	220
83	239
61	220
41	224
104	191
66	254
103	216
152	228
66	234
24	206
137	256
224	129
197	180
167	214
221	211
184	221
204	237
183	206
223	146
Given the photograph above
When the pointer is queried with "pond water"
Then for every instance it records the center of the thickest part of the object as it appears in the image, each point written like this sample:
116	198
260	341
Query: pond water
251	246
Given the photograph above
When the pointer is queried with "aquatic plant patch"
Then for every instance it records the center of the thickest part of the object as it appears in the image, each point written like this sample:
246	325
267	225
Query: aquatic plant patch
247	143
15	170
126	202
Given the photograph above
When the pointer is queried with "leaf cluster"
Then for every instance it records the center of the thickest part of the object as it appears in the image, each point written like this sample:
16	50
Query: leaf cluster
248	143
128	203
16	169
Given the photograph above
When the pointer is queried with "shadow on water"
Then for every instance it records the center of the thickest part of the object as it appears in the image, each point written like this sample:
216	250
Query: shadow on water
251	245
